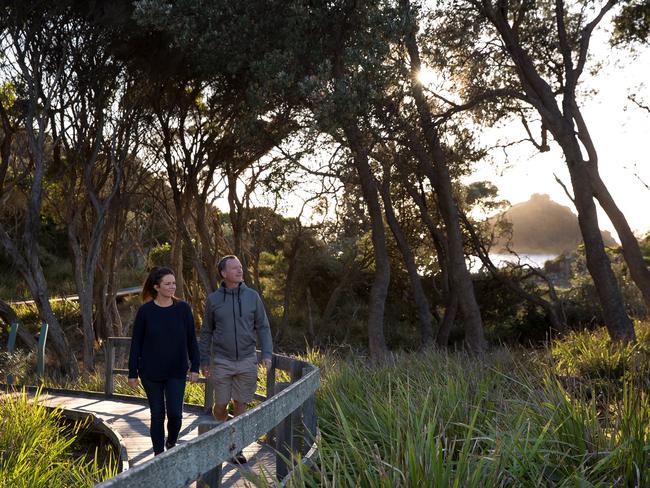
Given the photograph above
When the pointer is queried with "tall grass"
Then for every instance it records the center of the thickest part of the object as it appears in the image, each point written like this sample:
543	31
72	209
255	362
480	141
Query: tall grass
35	448
507	418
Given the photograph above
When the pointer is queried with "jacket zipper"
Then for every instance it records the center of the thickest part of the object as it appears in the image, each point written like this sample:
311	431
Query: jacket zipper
234	323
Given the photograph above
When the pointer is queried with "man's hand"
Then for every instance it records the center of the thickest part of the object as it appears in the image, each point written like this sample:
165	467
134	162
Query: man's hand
266	363
205	371
194	377
133	383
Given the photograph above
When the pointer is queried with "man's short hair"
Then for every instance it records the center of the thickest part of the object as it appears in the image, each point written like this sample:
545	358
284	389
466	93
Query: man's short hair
222	262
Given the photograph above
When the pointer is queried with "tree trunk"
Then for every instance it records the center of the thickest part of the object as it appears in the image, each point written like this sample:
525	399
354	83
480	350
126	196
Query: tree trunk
461	280
449	298
379	290
618	323
550	308
56	337
85	303
311	332
451	307
562	124
440	178
423	311
177	262
631	250
288	287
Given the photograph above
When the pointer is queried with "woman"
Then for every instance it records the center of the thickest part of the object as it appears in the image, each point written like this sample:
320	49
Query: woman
163	339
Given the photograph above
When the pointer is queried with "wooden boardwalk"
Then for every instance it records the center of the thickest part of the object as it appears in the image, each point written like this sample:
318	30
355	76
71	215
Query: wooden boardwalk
130	420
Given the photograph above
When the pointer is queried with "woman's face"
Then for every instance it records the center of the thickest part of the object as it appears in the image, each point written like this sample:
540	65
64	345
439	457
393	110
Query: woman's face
167	286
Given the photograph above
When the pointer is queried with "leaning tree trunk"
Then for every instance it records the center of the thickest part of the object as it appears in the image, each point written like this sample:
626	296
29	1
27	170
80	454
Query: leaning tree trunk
618	323
56	337
562	124
552	308
631	251
423	311
461	280
438	173
85	302
379	290
449	296
292	256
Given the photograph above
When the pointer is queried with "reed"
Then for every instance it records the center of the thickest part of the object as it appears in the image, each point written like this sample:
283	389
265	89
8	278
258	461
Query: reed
36	448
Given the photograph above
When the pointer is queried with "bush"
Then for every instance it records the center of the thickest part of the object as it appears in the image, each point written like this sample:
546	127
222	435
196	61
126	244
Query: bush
18	364
35	448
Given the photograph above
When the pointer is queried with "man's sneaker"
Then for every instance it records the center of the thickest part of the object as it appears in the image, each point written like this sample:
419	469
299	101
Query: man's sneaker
238	458
168	445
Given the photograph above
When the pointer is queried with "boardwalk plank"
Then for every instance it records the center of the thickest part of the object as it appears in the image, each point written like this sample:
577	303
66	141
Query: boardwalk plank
130	419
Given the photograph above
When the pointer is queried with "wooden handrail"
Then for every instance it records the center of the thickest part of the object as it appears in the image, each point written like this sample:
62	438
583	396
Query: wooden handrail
289	408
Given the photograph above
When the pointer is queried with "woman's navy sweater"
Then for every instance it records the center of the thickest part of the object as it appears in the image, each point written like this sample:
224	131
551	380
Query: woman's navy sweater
163	339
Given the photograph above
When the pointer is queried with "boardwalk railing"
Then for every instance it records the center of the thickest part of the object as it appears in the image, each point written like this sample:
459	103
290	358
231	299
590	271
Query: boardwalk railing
40	350
287	414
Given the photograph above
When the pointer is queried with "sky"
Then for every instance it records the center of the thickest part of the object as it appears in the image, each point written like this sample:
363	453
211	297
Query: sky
620	131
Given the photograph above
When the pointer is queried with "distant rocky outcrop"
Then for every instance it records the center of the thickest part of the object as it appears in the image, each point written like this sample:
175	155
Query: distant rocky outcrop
542	226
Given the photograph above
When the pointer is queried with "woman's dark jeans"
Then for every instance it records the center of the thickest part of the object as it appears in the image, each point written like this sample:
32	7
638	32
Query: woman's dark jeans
163	395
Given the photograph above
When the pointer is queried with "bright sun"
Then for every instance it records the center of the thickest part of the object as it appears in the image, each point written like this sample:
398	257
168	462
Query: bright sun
428	77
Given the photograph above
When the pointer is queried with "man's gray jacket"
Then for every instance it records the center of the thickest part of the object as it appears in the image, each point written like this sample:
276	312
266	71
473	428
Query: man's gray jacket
232	320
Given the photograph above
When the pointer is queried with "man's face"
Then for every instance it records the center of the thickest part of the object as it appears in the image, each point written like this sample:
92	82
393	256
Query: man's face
233	271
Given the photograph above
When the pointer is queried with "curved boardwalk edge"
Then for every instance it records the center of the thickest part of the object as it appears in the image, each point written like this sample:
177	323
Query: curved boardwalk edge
187	462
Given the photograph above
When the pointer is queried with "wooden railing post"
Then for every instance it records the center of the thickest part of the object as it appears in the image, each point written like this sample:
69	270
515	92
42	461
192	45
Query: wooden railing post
309	421
296	415
270	379
40	355
283	437
108	367
211	479
11	345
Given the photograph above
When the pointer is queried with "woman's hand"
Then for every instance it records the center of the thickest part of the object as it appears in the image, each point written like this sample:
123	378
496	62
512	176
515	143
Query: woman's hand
194	377
133	383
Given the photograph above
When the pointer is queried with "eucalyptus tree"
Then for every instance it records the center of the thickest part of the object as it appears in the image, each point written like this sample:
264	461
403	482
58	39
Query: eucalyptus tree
183	137
530	56
217	119
435	163
96	128
35	40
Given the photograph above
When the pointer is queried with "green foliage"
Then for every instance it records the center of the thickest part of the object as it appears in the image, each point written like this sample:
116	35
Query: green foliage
17	364
66	311
160	255
7	95
35	448
583	309
594	356
632	23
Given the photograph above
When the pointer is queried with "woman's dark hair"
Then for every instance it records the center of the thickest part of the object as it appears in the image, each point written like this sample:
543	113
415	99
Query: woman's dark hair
156	275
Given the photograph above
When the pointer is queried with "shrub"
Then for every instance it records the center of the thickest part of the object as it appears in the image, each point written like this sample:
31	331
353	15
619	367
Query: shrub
35	448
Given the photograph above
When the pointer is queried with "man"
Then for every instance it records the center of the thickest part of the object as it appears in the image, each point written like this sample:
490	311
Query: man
234	315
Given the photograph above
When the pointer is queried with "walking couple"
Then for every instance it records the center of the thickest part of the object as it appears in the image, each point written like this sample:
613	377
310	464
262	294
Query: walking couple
164	344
